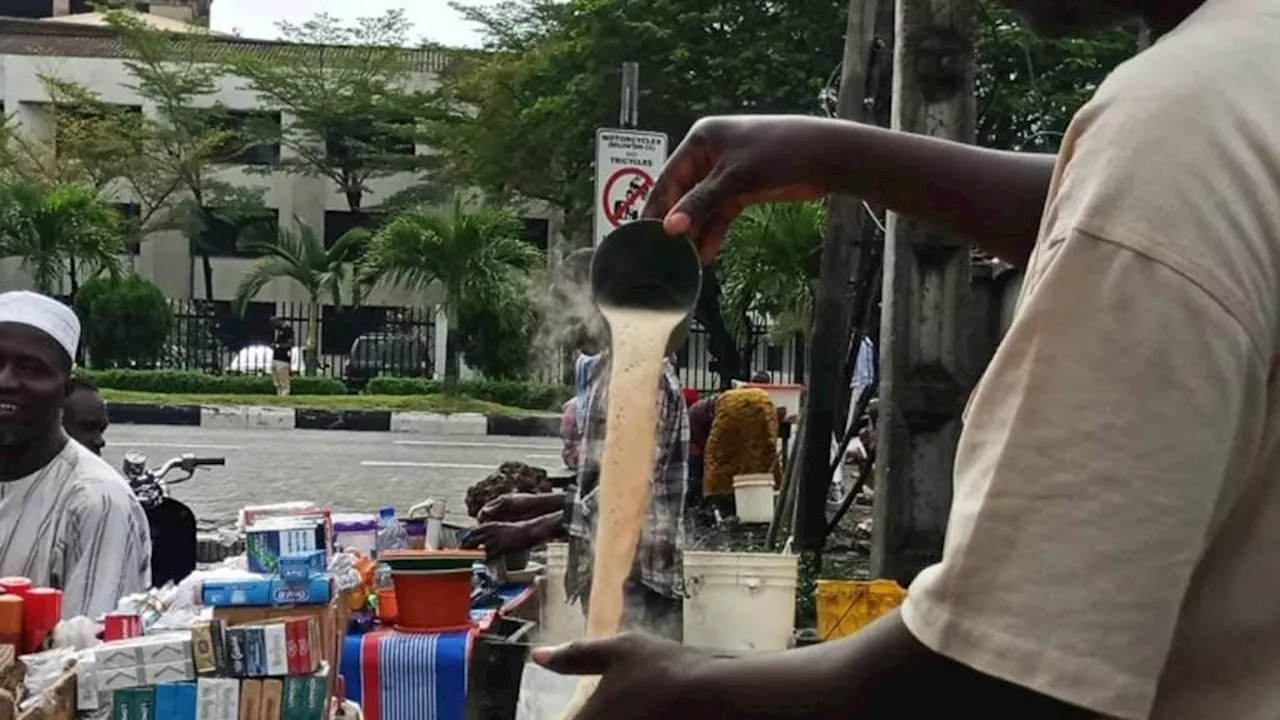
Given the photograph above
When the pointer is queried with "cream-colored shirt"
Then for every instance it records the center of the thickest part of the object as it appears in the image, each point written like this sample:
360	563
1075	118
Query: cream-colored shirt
1114	540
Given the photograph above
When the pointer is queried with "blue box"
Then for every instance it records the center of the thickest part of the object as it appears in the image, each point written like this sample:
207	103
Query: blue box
238	591
268	541
255	653
301	566
182	697
316	590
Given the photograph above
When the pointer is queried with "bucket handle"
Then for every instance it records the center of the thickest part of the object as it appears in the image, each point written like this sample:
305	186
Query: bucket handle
693	584
691	587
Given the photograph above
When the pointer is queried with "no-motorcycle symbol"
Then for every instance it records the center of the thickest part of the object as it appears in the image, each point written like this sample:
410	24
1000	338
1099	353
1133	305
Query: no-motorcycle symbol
625	193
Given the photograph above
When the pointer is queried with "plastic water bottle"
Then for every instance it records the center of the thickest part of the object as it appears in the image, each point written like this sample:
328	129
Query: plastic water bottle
390	535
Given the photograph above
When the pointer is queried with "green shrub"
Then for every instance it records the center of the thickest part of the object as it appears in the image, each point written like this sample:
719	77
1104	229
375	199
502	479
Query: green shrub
194	383
514	393
126	321
498	341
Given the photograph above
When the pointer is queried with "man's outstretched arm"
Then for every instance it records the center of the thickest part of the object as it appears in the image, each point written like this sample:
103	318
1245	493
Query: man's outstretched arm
995	197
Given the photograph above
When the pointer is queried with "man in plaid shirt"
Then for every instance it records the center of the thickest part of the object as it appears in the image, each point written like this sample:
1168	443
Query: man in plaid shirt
517	522
654	596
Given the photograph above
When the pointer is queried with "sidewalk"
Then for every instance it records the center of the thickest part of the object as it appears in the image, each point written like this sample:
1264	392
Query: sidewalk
281	418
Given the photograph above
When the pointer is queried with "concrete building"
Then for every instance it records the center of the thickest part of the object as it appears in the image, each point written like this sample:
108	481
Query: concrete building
88	53
186	11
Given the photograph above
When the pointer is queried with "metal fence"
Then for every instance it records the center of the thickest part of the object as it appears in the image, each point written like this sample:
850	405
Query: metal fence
358	343
361	342
699	369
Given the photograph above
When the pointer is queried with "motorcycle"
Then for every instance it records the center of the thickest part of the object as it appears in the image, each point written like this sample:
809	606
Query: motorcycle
173	524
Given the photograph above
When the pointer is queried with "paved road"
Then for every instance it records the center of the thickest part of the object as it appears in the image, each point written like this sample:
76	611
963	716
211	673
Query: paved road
345	470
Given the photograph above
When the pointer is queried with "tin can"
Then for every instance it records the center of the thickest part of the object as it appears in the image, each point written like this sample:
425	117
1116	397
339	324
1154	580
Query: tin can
121	626
42	609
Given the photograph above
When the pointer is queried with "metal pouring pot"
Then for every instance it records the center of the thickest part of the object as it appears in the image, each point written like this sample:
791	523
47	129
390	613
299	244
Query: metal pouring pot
640	266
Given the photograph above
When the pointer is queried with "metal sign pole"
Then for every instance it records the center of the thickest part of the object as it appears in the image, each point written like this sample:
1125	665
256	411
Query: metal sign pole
629	113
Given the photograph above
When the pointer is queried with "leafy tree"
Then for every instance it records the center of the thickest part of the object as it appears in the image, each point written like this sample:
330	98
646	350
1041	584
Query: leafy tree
87	141
499	341
352	95
475	253
182	144
59	231
1029	87
770	264
126	322
526	112
299	255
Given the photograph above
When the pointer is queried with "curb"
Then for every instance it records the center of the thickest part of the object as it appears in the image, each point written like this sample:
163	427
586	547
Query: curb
249	417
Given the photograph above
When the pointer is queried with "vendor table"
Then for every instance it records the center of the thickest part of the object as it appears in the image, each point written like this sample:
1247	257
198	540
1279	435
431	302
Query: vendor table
397	675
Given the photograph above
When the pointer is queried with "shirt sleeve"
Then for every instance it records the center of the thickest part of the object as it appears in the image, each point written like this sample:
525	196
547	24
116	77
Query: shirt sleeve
1095	466
108	551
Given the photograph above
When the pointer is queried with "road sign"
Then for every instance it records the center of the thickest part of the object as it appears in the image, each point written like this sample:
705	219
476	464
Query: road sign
627	163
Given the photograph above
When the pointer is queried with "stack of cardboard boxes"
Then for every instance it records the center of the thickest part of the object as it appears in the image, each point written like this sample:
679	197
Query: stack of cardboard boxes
270	670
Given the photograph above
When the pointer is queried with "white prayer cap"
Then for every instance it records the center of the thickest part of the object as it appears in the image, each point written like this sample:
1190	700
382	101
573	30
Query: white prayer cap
42	313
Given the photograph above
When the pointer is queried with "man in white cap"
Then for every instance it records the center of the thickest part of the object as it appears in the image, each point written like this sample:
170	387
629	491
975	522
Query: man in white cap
67	519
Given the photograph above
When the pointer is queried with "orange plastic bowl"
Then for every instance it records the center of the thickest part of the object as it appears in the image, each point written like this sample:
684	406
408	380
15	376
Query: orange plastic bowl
433	601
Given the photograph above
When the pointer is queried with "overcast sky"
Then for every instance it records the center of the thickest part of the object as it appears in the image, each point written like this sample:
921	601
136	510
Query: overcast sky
433	19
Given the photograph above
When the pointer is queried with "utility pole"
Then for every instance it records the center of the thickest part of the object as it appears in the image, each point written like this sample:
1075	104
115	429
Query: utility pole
927	364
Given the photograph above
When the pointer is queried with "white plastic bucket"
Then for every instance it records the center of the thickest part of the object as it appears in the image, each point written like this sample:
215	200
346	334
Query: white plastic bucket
753	496
739	602
544	695
558	621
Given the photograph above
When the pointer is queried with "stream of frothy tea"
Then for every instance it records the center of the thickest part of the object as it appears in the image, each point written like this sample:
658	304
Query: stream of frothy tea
639	341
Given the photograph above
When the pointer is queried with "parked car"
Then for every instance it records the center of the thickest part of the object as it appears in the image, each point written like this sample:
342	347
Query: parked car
395	354
256	360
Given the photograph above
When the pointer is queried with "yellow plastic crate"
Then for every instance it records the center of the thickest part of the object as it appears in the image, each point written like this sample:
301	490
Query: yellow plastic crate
847	606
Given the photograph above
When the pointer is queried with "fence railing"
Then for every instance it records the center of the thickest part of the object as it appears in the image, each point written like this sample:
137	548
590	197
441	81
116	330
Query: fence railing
360	342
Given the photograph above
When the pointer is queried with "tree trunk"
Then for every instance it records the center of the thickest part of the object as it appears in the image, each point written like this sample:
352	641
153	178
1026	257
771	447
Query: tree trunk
73	274
927	361
720	341
452	366
354	200
833	303
206	267
309	354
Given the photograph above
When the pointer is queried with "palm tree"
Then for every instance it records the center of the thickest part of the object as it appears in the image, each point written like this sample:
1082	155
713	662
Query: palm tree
476	253
59	230
770	264
300	255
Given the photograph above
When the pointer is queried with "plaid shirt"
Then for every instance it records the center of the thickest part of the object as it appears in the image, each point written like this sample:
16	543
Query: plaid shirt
658	562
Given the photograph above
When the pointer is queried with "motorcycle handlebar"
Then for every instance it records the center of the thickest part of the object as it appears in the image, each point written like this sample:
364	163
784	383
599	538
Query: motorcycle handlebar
197	462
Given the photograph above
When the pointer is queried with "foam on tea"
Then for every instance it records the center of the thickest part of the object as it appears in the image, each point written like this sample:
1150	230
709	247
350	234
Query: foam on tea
639	341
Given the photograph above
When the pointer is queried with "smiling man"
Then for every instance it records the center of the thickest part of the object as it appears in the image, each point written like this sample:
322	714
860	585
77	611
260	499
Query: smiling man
1111	550
67	520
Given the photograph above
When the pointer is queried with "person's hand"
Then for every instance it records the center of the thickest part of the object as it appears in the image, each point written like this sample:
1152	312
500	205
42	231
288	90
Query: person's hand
510	507
500	538
641	676
725	164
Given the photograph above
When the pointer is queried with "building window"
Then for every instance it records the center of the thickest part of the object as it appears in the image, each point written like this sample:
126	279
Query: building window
381	136
537	232
221	236
339	222
251	137
130	213
78	124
